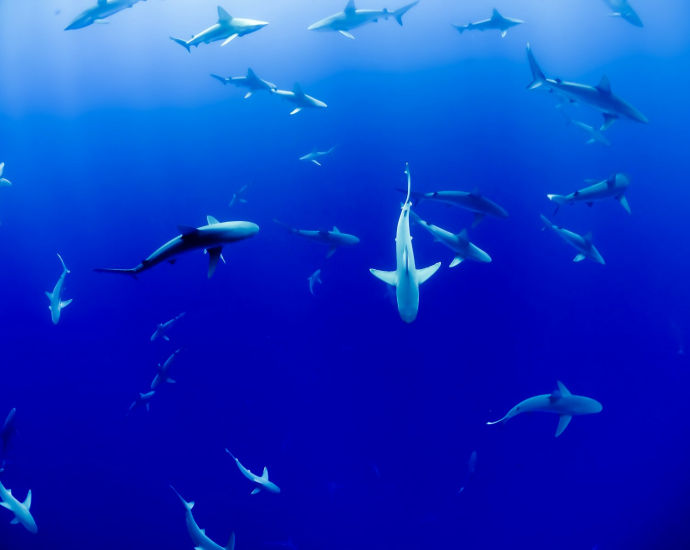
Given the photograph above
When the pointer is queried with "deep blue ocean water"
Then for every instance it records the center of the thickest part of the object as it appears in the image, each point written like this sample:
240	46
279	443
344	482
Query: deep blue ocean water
112	136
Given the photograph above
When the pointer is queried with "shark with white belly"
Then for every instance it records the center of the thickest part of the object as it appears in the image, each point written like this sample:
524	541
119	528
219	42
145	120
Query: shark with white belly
57	304
250	82
613	187
301	100
352	18
98	13
199	538
497	22
261	483
560	402
21	510
211	238
333	239
406	278
315	155
623	9
583	245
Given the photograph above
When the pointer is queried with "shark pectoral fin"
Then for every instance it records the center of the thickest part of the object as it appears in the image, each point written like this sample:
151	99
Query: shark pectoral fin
65	303
49	294
166	338
5	183
295	111
389	277
478	217
15	521
5	505
243	200
347	34
231	542
317	163
249	94
424	274
170	381
579	258
590	141
503	34
608	120
331	251
624	203
257	490
563	423
214	255
456	260
230	39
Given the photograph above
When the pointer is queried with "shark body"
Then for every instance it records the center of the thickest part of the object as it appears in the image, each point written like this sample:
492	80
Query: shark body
57	304
21	510
496	22
352	18
613	187
261	483
583	245
333	239
98	13
250	82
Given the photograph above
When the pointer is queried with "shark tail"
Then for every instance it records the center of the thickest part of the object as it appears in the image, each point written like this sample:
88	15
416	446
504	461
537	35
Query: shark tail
546	221
460	28
63	264
181	43
559	200
537	75
131	272
501	421
415	195
220	78
285	226
398	14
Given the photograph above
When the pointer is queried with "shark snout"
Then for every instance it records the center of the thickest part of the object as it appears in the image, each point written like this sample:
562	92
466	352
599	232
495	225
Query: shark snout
79	23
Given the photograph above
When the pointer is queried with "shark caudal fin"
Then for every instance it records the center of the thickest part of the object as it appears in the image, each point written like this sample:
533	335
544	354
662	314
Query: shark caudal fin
546	221
501	421
231	542
182	43
559	200
398	14
130	272
537	76
220	78
64	267
285	226
460	28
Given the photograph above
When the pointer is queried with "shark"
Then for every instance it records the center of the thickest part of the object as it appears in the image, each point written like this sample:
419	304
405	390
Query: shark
622	9
143	399
238	196
473	201
262	483
21	510
199	538
613	187
351	18
163	328
300	99
595	136
313	279
471	466
7	433
211	238
3	182
251	82
314	155
227	29
560	401
333	239
406	278
460	243
599	97
583	245
497	22
57	304
98	13
163	369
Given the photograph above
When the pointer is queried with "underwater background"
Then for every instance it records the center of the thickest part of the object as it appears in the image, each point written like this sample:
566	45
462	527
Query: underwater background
112	136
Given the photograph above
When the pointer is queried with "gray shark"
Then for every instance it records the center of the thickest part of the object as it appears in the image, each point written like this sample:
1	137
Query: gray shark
212	238
228	28
583	245
497	22
19	509
314	155
597	97
163	369
3	181
163	328
613	187
406	278
57	304
7	432
474	202
300	99
560	401
239	195
460	244
261	483
142	400
622	9
199	538
332	238
595	136
251	82
98	13
313	279
351	18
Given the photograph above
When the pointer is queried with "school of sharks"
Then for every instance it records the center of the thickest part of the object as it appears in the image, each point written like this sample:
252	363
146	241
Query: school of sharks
215	238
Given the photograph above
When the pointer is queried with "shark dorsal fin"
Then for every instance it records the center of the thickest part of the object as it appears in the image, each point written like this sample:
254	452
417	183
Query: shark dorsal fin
350	6
611	180
250	74
102	2
476	192
265	474
462	236
555	395
297	90
211	220
564	391
223	16
588	238
187	230
231	542
190	505
335	229
604	86
496	15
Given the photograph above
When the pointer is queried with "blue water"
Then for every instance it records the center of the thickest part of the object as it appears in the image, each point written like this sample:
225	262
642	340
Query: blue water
112	136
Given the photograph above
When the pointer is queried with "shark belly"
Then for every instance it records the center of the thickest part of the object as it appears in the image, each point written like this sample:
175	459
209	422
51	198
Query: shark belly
407	295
